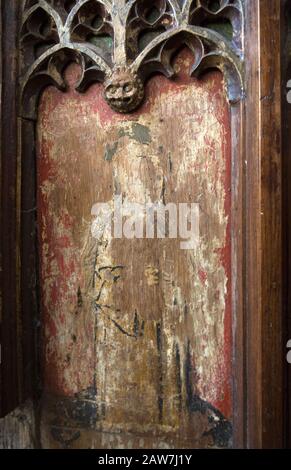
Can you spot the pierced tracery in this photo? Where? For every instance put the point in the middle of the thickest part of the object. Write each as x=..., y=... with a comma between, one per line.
x=122, y=42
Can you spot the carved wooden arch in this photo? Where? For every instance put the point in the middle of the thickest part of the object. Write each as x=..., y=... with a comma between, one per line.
x=122, y=42
x=253, y=89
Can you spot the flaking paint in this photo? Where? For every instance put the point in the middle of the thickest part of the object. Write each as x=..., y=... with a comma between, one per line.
x=143, y=325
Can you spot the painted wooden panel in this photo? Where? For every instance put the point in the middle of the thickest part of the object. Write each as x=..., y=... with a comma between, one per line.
x=136, y=332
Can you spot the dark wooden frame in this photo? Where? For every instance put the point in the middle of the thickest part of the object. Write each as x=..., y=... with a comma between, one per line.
x=9, y=335
x=257, y=233
x=286, y=127
x=263, y=154
x=19, y=326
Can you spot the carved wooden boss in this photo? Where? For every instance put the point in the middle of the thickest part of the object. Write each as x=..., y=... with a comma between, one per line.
x=122, y=42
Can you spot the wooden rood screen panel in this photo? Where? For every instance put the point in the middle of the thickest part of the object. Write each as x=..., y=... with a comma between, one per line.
x=136, y=332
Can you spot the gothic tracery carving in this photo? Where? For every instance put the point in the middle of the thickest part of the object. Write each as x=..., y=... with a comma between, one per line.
x=122, y=42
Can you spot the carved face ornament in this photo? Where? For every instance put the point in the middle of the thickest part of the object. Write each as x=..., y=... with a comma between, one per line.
x=124, y=90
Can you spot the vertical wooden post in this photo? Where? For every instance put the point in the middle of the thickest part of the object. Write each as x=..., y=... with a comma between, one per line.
x=265, y=358
x=286, y=128
x=10, y=353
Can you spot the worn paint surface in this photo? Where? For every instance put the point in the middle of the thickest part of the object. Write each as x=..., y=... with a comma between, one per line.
x=136, y=333
x=18, y=429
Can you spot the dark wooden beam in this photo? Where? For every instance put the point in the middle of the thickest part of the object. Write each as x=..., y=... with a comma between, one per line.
x=264, y=312
x=10, y=347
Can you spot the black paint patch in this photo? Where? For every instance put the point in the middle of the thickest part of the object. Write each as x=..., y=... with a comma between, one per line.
x=160, y=372
x=79, y=298
x=178, y=377
x=65, y=436
x=220, y=429
x=80, y=411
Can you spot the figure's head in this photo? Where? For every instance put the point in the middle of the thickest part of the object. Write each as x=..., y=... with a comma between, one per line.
x=124, y=90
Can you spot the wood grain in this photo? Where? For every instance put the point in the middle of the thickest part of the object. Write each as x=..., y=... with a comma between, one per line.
x=151, y=322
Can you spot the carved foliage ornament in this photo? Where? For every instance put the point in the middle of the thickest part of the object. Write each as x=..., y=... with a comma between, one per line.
x=122, y=42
